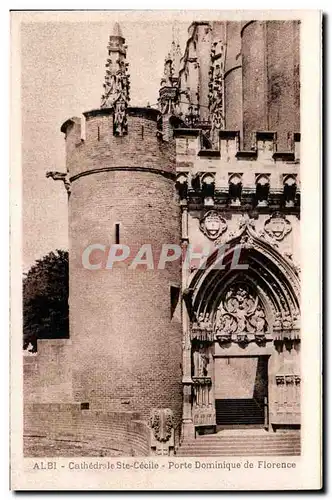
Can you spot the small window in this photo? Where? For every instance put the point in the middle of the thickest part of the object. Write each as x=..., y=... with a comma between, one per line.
x=117, y=233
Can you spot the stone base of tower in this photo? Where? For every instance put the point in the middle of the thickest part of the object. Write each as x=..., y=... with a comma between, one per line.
x=54, y=424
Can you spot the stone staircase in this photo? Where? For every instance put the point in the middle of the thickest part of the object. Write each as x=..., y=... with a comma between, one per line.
x=238, y=443
x=239, y=412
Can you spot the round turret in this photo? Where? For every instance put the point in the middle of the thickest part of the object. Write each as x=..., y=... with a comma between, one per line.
x=125, y=332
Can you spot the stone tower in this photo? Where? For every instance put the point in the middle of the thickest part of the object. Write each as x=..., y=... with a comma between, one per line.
x=125, y=337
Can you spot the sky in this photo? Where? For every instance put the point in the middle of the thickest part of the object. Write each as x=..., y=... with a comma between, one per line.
x=62, y=72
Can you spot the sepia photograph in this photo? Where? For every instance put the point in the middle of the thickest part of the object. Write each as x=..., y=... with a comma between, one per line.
x=161, y=165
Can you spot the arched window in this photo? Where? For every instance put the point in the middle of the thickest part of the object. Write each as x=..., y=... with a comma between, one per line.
x=289, y=190
x=235, y=189
x=262, y=190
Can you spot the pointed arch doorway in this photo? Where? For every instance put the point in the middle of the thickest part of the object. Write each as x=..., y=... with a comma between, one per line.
x=245, y=340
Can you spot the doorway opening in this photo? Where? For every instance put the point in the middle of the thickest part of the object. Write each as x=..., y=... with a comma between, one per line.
x=241, y=391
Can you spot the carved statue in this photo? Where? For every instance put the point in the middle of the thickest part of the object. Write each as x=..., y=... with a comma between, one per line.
x=277, y=322
x=207, y=323
x=201, y=360
x=287, y=322
x=168, y=71
x=200, y=320
x=120, y=118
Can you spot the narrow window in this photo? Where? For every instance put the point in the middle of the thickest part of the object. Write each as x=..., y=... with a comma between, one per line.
x=98, y=132
x=175, y=294
x=142, y=132
x=117, y=234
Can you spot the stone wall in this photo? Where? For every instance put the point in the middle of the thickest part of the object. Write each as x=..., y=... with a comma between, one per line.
x=47, y=374
x=84, y=432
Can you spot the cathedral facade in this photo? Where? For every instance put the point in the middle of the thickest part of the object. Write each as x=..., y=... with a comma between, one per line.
x=166, y=359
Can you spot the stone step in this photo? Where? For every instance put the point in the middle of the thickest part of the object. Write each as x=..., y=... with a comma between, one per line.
x=242, y=453
x=243, y=439
x=243, y=444
x=238, y=446
x=248, y=449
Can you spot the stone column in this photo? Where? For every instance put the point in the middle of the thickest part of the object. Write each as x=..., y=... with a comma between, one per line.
x=187, y=421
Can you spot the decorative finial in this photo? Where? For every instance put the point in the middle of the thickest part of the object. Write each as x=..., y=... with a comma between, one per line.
x=116, y=30
x=116, y=86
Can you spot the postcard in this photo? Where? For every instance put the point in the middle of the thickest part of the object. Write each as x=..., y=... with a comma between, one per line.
x=165, y=244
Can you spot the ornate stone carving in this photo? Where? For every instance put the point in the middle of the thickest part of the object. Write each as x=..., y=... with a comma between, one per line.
x=246, y=222
x=287, y=322
x=288, y=379
x=203, y=416
x=240, y=316
x=280, y=380
x=169, y=92
x=161, y=422
x=168, y=101
x=247, y=241
x=192, y=116
x=116, y=86
x=277, y=226
x=202, y=328
x=212, y=225
x=216, y=91
x=186, y=342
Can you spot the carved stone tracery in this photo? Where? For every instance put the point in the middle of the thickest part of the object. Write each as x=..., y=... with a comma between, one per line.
x=240, y=313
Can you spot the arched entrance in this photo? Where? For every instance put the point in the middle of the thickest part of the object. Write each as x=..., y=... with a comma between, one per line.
x=243, y=339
